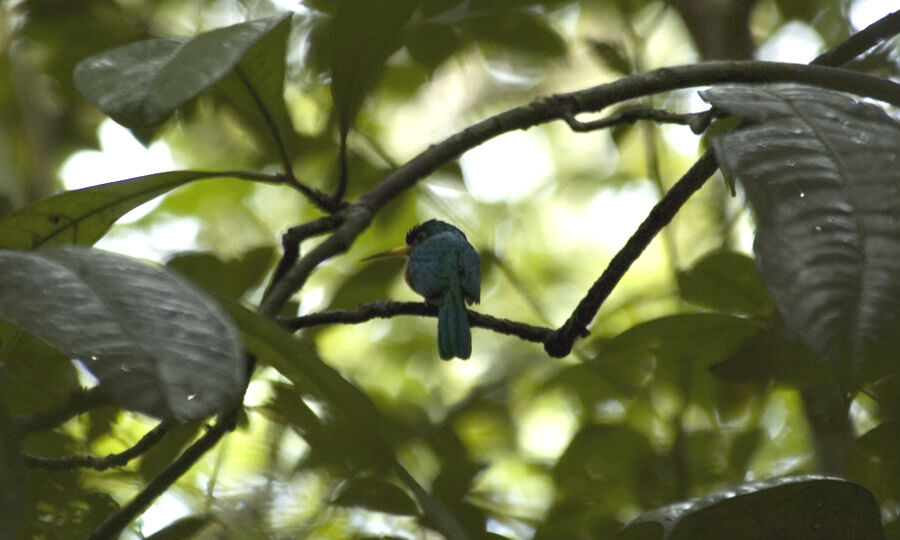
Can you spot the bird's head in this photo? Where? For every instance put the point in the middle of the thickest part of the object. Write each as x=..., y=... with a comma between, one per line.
x=416, y=236
x=429, y=228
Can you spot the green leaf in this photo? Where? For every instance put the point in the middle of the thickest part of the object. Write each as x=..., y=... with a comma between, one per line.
x=34, y=376
x=83, y=216
x=821, y=173
x=725, y=281
x=231, y=278
x=771, y=355
x=295, y=360
x=364, y=34
x=156, y=344
x=13, y=506
x=520, y=30
x=141, y=84
x=703, y=338
x=600, y=466
x=375, y=495
x=799, y=508
x=874, y=461
x=256, y=88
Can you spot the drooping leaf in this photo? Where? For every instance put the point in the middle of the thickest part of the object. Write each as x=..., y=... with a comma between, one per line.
x=725, y=281
x=375, y=495
x=13, y=505
x=156, y=344
x=273, y=345
x=84, y=215
x=364, y=34
x=822, y=174
x=256, y=88
x=611, y=54
x=141, y=84
x=800, y=508
x=180, y=529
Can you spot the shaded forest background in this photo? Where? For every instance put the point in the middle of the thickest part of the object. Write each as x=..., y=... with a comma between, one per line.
x=687, y=385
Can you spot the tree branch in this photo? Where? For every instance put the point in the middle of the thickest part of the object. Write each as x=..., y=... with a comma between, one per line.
x=386, y=309
x=358, y=215
x=560, y=344
x=96, y=462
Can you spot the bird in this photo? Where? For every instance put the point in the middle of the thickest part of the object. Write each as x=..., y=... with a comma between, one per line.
x=445, y=269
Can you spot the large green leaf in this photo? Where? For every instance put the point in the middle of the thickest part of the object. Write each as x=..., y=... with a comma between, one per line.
x=156, y=344
x=83, y=216
x=725, y=281
x=799, y=508
x=822, y=174
x=141, y=84
x=364, y=34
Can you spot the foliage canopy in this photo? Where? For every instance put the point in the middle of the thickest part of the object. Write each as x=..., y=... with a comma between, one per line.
x=621, y=388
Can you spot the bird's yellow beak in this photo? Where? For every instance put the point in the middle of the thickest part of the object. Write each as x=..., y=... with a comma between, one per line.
x=397, y=251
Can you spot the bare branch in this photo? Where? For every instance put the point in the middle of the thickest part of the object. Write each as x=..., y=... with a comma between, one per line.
x=74, y=404
x=114, y=523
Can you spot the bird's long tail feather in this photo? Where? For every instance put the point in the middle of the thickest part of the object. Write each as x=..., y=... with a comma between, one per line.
x=454, y=335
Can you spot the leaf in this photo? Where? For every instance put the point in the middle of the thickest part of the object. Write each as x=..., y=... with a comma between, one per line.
x=364, y=34
x=84, y=215
x=799, y=508
x=231, y=278
x=874, y=461
x=141, y=84
x=770, y=355
x=725, y=281
x=156, y=344
x=822, y=174
x=612, y=55
x=181, y=529
x=256, y=87
x=13, y=506
x=295, y=360
x=375, y=495
x=703, y=338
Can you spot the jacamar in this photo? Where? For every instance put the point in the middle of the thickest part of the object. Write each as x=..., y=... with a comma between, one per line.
x=445, y=269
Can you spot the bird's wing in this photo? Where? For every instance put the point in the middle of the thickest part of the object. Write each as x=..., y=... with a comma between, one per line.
x=470, y=270
x=426, y=270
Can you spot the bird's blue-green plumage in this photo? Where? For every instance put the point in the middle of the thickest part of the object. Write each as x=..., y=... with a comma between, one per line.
x=445, y=269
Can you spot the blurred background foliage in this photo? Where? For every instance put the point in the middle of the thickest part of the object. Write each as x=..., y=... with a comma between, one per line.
x=685, y=386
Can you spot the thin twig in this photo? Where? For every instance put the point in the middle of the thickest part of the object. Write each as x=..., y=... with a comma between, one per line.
x=698, y=121
x=114, y=523
x=100, y=463
x=76, y=403
x=292, y=239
